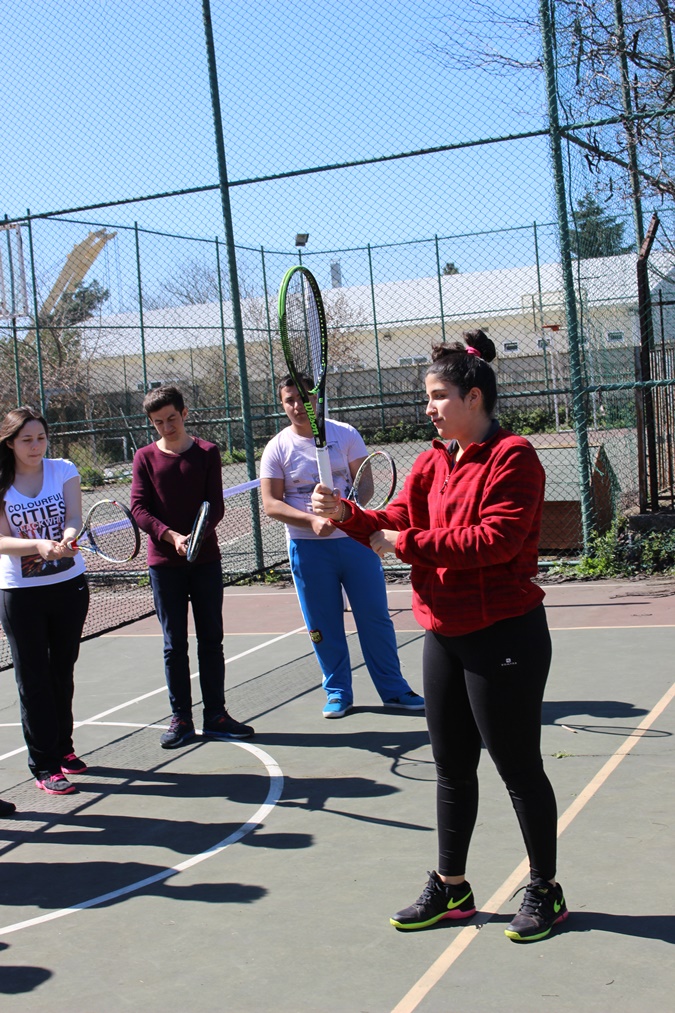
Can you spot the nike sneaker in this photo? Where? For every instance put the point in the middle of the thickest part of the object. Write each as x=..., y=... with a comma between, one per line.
x=438, y=900
x=543, y=907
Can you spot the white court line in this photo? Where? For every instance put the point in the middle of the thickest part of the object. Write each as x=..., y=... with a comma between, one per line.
x=162, y=689
x=273, y=795
x=433, y=975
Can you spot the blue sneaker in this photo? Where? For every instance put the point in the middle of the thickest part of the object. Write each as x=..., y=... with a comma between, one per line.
x=336, y=707
x=406, y=702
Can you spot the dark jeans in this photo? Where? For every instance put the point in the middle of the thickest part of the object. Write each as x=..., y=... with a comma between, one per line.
x=488, y=687
x=172, y=588
x=43, y=626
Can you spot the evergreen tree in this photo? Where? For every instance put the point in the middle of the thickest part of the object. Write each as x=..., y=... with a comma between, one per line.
x=596, y=233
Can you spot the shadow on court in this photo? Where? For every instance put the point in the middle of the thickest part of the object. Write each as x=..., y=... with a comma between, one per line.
x=293, y=916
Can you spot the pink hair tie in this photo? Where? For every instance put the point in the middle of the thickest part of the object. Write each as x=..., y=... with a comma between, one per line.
x=473, y=351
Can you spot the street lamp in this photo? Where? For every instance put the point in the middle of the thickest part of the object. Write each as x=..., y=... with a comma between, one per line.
x=301, y=239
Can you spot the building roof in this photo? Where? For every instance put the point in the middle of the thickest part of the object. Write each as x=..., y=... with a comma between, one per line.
x=473, y=298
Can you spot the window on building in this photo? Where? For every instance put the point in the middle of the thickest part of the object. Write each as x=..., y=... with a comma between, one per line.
x=412, y=360
x=510, y=346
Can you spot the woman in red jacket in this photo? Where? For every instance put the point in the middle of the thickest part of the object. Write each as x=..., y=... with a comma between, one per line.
x=468, y=523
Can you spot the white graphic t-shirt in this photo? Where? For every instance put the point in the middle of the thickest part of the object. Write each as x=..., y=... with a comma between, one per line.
x=293, y=458
x=40, y=517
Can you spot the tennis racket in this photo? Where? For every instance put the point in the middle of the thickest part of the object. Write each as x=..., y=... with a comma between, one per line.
x=374, y=482
x=304, y=340
x=198, y=532
x=109, y=531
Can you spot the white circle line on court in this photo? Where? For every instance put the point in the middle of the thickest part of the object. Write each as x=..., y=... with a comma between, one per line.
x=273, y=795
x=469, y=933
x=162, y=689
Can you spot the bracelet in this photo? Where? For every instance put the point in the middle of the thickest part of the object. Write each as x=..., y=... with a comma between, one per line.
x=343, y=512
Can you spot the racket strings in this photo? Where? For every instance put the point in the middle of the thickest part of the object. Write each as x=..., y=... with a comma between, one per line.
x=303, y=326
x=375, y=482
x=111, y=532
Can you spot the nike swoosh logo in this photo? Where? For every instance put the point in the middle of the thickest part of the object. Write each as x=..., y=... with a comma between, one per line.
x=452, y=904
x=557, y=906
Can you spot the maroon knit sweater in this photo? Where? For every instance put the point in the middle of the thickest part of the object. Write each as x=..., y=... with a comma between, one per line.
x=166, y=493
x=469, y=529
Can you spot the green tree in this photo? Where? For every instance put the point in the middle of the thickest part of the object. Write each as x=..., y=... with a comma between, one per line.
x=596, y=233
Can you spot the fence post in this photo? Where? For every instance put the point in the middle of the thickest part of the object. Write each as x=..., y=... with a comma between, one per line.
x=628, y=125
x=234, y=280
x=38, y=337
x=144, y=364
x=377, y=338
x=269, y=337
x=223, y=345
x=440, y=288
x=576, y=379
x=646, y=347
x=15, y=340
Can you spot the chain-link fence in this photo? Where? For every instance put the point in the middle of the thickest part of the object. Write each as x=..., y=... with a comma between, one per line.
x=438, y=167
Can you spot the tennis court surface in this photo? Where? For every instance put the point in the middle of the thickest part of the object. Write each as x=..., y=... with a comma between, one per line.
x=261, y=875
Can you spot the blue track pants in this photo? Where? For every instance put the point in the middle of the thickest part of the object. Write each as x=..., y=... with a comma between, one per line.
x=321, y=567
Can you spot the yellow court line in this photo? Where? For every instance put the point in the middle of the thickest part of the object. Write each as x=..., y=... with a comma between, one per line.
x=433, y=975
x=415, y=629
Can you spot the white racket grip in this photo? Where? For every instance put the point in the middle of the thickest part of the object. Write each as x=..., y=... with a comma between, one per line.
x=323, y=462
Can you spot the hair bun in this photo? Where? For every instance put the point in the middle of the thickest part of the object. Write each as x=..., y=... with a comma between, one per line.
x=483, y=345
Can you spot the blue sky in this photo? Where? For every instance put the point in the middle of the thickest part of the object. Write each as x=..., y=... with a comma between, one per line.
x=107, y=99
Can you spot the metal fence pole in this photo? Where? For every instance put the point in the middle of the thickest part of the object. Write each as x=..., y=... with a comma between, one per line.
x=223, y=345
x=646, y=347
x=440, y=288
x=140, y=310
x=629, y=125
x=377, y=338
x=273, y=406
x=234, y=280
x=576, y=378
x=36, y=313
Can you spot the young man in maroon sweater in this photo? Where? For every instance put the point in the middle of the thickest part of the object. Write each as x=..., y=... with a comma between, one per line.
x=171, y=479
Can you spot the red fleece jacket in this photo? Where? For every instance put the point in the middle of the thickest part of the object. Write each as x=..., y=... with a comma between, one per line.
x=470, y=531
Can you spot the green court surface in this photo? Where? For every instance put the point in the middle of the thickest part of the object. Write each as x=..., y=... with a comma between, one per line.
x=261, y=875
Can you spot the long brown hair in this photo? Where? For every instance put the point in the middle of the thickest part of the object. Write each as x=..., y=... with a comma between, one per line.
x=11, y=426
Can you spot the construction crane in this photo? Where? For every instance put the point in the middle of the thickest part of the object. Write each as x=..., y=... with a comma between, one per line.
x=78, y=262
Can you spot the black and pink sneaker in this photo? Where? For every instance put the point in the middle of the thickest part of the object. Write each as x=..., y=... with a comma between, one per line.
x=72, y=764
x=54, y=784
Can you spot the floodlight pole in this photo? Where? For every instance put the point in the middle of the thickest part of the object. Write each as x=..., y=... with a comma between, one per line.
x=232, y=266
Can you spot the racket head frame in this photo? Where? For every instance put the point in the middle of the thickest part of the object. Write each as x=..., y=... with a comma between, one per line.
x=198, y=530
x=363, y=468
x=317, y=419
x=93, y=546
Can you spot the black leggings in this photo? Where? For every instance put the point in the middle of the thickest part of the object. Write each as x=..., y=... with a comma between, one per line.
x=488, y=687
x=43, y=626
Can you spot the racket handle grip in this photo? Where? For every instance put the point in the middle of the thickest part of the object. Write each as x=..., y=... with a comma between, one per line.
x=323, y=462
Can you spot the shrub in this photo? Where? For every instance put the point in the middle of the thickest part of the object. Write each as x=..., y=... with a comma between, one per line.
x=91, y=476
x=621, y=552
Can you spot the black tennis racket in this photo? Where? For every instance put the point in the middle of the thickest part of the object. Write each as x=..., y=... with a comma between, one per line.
x=109, y=531
x=198, y=532
x=304, y=340
x=374, y=482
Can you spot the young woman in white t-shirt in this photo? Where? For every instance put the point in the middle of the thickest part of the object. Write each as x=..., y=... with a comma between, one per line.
x=43, y=592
